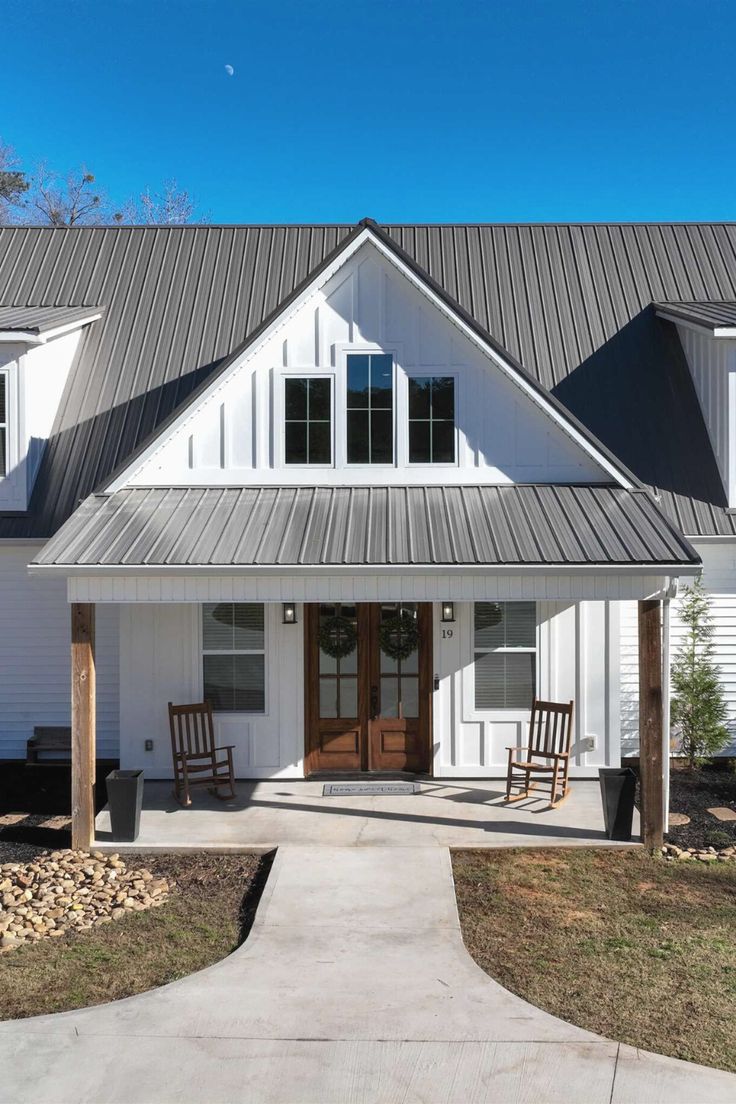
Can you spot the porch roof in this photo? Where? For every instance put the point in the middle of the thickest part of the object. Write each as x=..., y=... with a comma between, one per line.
x=279, y=527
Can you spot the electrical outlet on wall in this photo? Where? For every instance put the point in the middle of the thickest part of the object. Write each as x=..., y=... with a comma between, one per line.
x=148, y=745
x=587, y=743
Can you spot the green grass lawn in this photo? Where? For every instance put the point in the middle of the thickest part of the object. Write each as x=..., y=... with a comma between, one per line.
x=615, y=941
x=211, y=906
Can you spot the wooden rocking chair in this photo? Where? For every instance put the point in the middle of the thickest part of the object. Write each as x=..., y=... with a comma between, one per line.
x=197, y=762
x=547, y=758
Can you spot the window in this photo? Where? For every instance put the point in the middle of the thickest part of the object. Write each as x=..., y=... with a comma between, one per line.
x=431, y=420
x=233, y=659
x=370, y=408
x=308, y=420
x=3, y=423
x=504, y=651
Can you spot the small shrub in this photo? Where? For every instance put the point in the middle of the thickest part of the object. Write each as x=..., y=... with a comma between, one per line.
x=716, y=837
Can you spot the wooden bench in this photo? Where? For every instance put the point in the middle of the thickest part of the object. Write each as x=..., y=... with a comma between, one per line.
x=57, y=738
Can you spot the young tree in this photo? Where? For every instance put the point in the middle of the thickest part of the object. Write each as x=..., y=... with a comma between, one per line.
x=698, y=707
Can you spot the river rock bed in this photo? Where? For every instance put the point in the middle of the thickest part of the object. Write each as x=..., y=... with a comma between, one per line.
x=62, y=891
x=674, y=853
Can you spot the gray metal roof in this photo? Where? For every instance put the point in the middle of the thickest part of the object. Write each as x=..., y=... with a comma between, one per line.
x=362, y=526
x=571, y=303
x=713, y=315
x=39, y=320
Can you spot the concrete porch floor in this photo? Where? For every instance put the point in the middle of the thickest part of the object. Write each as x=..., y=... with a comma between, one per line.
x=445, y=813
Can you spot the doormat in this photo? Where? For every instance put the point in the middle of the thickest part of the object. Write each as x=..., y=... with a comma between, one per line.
x=369, y=789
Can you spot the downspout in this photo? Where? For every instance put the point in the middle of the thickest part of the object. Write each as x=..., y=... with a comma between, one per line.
x=670, y=593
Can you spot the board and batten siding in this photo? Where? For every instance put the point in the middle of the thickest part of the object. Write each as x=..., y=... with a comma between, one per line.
x=577, y=658
x=712, y=363
x=35, y=671
x=234, y=434
x=719, y=578
x=161, y=661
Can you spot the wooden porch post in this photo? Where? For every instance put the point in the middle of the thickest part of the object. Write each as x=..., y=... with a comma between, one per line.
x=651, y=718
x=83, y=725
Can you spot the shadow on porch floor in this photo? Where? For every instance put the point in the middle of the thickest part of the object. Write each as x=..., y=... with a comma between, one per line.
x=448, y=813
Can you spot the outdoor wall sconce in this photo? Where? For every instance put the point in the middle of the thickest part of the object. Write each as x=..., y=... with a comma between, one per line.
x=448, y=611
x=289, y=613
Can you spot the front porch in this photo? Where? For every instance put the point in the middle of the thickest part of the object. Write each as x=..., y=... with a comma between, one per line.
x=446, y=813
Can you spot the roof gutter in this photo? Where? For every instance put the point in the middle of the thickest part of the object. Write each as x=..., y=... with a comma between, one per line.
x=281, y=570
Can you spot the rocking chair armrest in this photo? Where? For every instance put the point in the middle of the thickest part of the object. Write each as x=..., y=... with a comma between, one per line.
x=225, y=747
x=520, y=750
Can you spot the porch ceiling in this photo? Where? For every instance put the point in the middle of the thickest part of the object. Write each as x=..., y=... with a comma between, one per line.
x=514, y=526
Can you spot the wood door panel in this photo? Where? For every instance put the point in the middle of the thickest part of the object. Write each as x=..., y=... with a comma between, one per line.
x=368, y=742
x=340, y=742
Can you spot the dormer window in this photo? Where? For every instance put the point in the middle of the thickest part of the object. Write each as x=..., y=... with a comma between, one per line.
x=431, y=420
x=370, y=408
x=308, y=420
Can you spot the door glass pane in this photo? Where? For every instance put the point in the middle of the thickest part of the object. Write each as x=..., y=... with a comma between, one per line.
x=389, y=697
x=328, y=697
x=348, y=697
x=409, y=697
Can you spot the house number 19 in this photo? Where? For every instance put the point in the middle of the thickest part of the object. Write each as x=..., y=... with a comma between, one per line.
x=447, y=634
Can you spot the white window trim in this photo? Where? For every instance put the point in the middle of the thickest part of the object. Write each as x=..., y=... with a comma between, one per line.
x=426, y=373
x=280, y=419
x=498, y=713
x=202, y=651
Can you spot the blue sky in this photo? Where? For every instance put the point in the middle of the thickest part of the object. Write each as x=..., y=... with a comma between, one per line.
x=404, y=110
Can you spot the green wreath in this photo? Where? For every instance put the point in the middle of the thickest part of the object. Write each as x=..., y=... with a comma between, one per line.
x=399, y=635
x=337, y=637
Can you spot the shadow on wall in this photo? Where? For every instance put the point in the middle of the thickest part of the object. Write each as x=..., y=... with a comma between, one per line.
x=103, y=441
x=637, y=395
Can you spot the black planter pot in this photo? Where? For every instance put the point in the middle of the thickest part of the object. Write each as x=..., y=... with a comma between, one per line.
x=125, y=798
x=618, y=787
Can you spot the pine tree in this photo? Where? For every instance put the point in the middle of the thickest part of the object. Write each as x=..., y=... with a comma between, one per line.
x=698, y=706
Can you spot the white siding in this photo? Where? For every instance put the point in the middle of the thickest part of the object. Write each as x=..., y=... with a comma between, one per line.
x=712, y=362
x=577, y=658
x=160, y=661
x=719, y=578
x=35, y=676
x=235, y=434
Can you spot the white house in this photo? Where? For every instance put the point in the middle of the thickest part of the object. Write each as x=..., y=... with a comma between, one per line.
x=252, y=452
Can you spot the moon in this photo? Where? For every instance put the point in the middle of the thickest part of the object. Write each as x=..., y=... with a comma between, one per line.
x=229, y=70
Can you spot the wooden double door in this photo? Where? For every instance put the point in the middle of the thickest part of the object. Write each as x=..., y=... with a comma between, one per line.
x=368, y=687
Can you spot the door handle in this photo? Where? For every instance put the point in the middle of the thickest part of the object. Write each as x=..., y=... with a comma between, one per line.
x=374, y=702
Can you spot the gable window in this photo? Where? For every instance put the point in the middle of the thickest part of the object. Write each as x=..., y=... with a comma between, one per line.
x=3, y=423
x=234, y=656
x=308, y=420
x=505, y=654
x=431, y=420
x=370, y=408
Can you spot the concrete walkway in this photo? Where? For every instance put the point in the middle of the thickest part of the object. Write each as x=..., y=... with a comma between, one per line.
x=354, y=987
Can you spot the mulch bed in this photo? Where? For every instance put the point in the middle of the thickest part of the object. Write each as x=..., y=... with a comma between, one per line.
x=693, y=793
